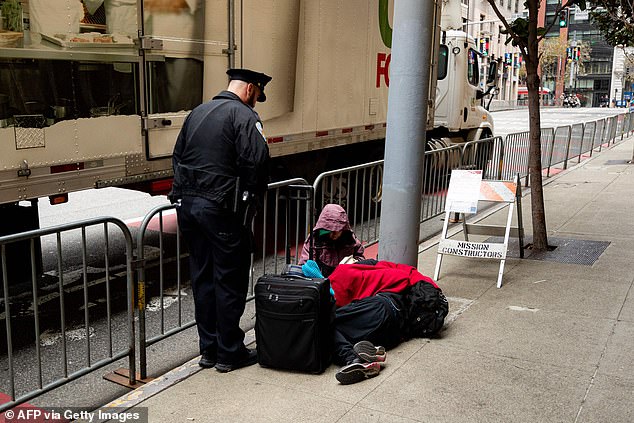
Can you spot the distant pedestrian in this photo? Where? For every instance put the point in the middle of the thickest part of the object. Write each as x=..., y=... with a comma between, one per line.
x=220, y=172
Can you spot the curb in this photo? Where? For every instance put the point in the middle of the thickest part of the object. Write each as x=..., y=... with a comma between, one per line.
x=160, y=384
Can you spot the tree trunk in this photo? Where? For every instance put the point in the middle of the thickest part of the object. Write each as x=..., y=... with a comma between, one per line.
x=540, y=237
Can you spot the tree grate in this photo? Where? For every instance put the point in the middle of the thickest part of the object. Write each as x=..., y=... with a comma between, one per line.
x=571, y=251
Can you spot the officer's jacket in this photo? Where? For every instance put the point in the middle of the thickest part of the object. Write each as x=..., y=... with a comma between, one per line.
x=220, y=141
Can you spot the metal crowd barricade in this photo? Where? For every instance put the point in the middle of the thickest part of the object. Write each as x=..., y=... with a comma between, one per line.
x=576, y=142
x=559, y=148
x=62, y=366
x=516, y=147
x=613, y=128
x=280, y=229
x=438, y=166
x=620, y=125
x=358, y=190
x=587, y=145
x=628, y=122
x=155, y=220
x=598, y=135
x=291, y=218
x=486, y=154
x=547, y=138
x=608, y=130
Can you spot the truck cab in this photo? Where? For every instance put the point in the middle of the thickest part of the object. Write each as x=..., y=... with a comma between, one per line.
x=460, y=112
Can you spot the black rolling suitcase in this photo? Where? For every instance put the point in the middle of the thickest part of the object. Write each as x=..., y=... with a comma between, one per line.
x=294, y=322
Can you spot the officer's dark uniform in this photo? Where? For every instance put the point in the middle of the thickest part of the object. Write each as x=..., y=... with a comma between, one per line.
x=220, y=155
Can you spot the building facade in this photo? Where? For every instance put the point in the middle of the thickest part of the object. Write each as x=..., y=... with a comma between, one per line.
x=484, y=26
x=589, y=79
x=622, y=85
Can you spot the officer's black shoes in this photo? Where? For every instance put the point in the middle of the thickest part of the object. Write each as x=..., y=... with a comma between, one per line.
x=250, y=359
x=207, y=360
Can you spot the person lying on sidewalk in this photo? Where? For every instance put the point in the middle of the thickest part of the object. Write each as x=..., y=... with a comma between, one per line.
x=333, y=240
x=368, y=277
x=381, y=317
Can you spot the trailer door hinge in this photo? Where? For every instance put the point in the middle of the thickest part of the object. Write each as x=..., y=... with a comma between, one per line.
x=149, y=43
x=230, y=51
x=24, y=169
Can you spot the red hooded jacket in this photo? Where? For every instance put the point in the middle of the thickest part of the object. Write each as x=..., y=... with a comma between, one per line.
x=355, y=281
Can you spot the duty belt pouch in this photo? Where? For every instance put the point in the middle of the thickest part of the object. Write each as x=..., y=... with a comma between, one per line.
x=249, y=206
x=244, y=205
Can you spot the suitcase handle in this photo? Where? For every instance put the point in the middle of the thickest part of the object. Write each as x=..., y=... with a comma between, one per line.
x=304, y=278
x=310, y=194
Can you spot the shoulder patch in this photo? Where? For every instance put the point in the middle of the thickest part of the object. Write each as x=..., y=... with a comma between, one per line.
x=258, y=126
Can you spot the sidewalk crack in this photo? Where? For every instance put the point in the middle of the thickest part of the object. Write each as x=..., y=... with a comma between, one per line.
x=603, y=353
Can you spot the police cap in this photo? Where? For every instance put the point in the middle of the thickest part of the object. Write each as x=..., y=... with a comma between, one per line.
x=258, y=79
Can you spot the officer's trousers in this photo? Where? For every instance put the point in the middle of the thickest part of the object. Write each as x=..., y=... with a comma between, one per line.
x=219, y=258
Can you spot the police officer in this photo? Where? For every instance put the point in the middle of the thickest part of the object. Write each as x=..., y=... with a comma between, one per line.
x=220, y=170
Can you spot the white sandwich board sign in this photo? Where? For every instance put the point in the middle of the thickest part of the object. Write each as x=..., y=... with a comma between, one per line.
x=466, y=188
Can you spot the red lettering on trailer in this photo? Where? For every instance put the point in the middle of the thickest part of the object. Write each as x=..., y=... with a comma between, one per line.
x=273, y=140
x=383, y=68
x=321, y=133
x=346, y=130
x=67, y=167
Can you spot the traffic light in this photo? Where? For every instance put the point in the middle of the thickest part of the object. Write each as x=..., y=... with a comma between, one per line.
x=563, y=19
x=569, y=53
x=577, y=54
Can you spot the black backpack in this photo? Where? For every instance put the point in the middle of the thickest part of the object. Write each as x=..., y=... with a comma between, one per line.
x=426, y=308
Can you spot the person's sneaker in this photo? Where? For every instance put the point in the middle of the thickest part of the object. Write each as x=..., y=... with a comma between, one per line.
x=367, y=352
x=207, y=360
x=357, y=372
x=249, y=360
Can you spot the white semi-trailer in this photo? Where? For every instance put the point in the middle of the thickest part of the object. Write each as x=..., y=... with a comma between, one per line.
x=95, y=97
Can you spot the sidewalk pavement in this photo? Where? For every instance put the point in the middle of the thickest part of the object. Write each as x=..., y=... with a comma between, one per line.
x=554, y=344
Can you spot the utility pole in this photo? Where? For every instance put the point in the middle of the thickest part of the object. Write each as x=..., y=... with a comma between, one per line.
x=408, y=96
